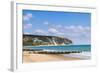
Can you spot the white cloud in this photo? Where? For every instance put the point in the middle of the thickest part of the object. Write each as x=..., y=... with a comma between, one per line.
x=59, y=26
x=87, y=28
x=27, y=26
x=61, y=33
x=56, y=32
x=46, y=22
x=52, y=30
x=72, y=27
x=80, y=28
x=27, y=33
x=77, y=29
x=78, y=34
x=27, y=16
x=40, y=32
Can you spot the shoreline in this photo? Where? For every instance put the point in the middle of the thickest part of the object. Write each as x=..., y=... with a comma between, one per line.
x=29, y=57
x=46, y=45
x=57, y=45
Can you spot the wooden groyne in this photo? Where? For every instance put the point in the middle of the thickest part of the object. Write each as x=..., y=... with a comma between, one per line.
x=39, y=51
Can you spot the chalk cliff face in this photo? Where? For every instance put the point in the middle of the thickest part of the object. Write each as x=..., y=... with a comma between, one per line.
x=37, y=40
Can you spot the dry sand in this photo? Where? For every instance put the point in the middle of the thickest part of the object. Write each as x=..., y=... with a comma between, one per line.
x=33, y=57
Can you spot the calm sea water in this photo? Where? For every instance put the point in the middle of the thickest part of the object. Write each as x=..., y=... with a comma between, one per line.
x=62, y=48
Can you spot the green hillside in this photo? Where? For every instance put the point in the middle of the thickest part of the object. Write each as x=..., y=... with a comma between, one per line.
x=37, y=40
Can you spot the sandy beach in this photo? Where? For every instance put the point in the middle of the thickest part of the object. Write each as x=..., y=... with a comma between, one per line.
x=33, y=57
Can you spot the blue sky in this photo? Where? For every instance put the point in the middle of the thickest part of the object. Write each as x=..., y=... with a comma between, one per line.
x=73, y=25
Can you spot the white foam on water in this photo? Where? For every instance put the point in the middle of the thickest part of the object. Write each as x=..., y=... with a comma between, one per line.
x=83, y=55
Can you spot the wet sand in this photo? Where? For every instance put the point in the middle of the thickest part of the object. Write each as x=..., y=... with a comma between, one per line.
x=33, y=57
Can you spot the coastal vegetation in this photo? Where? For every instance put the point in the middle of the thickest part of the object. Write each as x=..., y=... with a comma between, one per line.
x=38, y=40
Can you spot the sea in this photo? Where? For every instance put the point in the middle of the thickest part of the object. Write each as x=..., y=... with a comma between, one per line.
x=82, y=48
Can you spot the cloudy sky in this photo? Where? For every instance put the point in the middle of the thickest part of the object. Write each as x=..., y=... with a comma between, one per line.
x=73, y=25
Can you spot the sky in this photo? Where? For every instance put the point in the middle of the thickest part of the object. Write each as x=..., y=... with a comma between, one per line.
x=75, y=26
